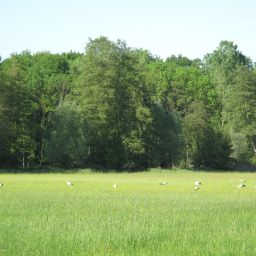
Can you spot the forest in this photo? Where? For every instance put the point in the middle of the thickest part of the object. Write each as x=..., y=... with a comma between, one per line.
x=116, y=107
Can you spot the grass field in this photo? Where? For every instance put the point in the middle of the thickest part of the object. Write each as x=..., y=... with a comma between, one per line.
x=41, y=215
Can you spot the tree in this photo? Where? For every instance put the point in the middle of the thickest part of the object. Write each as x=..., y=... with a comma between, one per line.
x=66, y=137
x=32, y=86
x=48, y=80
x=5, y=131
x=17, y=109
x=222, y=66
x=164, y=138
x=177, y=82
x=241, y=105
x=204, y=146
x=112, y=100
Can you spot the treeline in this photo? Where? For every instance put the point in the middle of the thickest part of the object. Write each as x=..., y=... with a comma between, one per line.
x=117, y=107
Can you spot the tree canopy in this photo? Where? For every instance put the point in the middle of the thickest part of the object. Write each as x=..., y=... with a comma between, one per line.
x=123, y=108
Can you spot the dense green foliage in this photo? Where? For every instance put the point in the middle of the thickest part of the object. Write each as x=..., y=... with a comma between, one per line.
x=41, y=215
x=117, y=107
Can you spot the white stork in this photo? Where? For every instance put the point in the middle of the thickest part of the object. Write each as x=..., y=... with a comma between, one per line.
x=241, y=185
x=198, y=185
x=69, y=183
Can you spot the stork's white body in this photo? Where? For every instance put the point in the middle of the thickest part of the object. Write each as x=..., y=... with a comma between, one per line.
x=69, y=183
x=198, y=183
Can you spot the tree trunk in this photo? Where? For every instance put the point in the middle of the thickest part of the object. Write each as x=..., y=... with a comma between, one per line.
x=23, y=158
x=254, y=145
x=42, y=126
x=187, y=156
x=41, y=153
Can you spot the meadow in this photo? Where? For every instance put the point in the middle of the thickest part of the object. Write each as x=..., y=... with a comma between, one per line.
x=41, y=215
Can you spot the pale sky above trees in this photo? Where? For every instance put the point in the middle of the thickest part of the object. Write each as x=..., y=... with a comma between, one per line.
x=164, y=27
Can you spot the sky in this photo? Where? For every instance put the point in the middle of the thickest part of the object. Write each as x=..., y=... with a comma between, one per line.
x=191, y=28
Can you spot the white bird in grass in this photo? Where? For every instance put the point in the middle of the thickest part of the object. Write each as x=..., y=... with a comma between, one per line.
x=164, y=183
x=69, y=183
x=1, y=185
x=114, y=186
x=198, y=185
x=241, y=185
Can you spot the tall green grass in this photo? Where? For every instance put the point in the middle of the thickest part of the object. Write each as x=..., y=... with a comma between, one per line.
x=41, y=215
